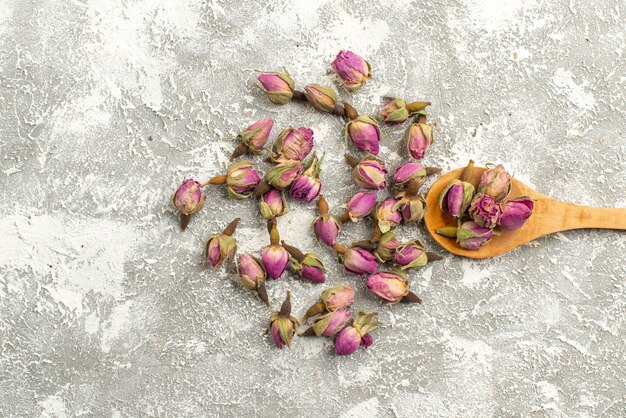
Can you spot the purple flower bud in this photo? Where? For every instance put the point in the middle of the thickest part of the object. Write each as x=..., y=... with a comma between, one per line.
x=256, y=135
x=387, y=214
x=359, y=261
x=275, y=259
x=388, y=285
x=387, y=246
x=338, y=297
x=242, y=179
x=364, y=134
x=351, y=337
x=272, y=204
x=189, y=198
x=277, y=86
x=411, y=255
x=472, y=236
x=331, y=323
x=353, y=70
x=348, y=341
x=285, y=173
x=293, y=144
x=515, y=212
x=361, y=205
x=307, y=187
x=369, y=173
x=456, y=197
x=219, y=249
x=322, y=98
x=394, y=112
x=310, y=268
x=418, y=137
x=326, y=229
x=407, y=172
x=485, y=211
x=495, y=182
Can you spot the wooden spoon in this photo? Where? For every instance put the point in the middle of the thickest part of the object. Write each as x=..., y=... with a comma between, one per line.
x=549, y=216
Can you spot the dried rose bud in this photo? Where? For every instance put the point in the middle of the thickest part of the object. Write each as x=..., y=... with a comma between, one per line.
x=359, y=206
x=387, y=214
x=388, y=285
x=472, y=236
x=394, y=112
x=364, y=133
x=333, y=299
x=353, y=70
x=326, y=229
x=252, y=275
x=309, y=266
x=272, y=204
x=322, y=98
x=407, y=172
x=283, y=326
x=387, y=246
x=411, y=207
x=359, y=261
x=495, y=182
x=369, y=173
x=307, y=187
x=277, y=86
x=254, y=137
x=456, y=197
x=411, y=255
x=284, y=174
x=329, y=325
x=418, y=138
x=485, y=211
x=274, y=257
x=356, y=335
x=515, y=212
x=293, y=144
x=242, y=179
x=219, y=248
x=188, y=199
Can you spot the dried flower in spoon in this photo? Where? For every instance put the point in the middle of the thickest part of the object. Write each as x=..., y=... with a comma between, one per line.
x=398, y=110
x=328, y=325
x=326, y=226
x=292, y=144
x=278, y=87
x=357, y=334
x=364, y=133
x=368, y=173
x=283, y=326
x=495, y=182
x=469, y=235
x=188, y=199
x=515, y=212
x=309, y=266
x=485, y=211
x=353, y=70
x=254, y=138
x=219, y=248
x=331, y=300
x=358, y=207
x=391, y=286
x=274, y=256
x=272, y=204
x=252, y=275
x=308, y=185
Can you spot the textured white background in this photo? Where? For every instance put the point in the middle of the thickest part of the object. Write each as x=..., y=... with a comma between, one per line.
x=104, y=310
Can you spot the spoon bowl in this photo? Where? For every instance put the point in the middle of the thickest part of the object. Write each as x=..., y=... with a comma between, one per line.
x=549, y=216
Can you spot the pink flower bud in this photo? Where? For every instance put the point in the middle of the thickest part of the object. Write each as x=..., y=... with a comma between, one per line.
x=387, y=214
x=326, y=229
x=364, y=134
x=495, y=182
x=456, y=198
x=353, y=70
x=322, y=98
x=283, y=326
x=277, y=86
x=330, y=324
x=272, y=204
x=251, y=272
x=242, y=179
x=370, y=173
x=361, y=205
x=387, y=247
x=338, y=297
x=293, y=144
x=352, y=337
x=311, y=268
x=275, y=259
x=485, y=211
x=408, y=172
x=285, y=173
x=394, y=112
x=359, y=261
x=411, y=255
x=418, y=137
x=388, y=285
x=256, y=135
x=411, y=207
x=307, y=187
x=515, y=212
x=472, y=236
x=219, y=249
x=189, y=198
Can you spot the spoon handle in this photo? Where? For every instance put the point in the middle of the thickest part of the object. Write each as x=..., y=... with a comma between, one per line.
x=561, y=216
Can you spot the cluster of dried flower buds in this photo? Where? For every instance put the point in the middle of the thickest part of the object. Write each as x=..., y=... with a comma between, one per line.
x=483, y=211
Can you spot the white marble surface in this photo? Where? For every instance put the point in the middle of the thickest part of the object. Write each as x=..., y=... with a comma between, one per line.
x=104, y=310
